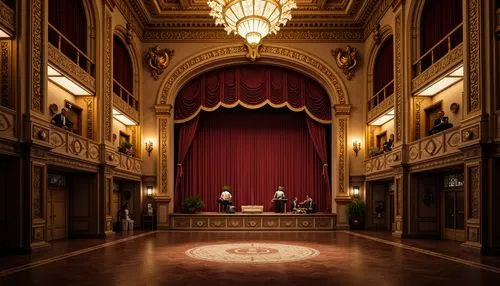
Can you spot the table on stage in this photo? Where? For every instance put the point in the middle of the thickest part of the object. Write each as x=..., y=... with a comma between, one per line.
x=280, y=205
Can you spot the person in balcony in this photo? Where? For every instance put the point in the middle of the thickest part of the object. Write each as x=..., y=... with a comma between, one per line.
x=440, y=124
x=62, y=120
x=388, y=144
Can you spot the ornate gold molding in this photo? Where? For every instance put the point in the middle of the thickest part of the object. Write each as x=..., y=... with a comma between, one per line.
x=163, y=133
x=108, y=76
x=383, y=107
x=6, y=73
x=346, y=60
x=376, y=16
x=36, y=48
x=341, y=152
x=473, y=75
x=398, y=77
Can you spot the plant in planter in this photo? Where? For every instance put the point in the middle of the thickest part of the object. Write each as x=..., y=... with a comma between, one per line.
x=126, y=148
x=356, y=211
x=192, y=204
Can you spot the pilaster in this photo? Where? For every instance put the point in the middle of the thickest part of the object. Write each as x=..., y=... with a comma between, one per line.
x=106, y=193
x=163, y=195
x=340, y=170
x=401, y=200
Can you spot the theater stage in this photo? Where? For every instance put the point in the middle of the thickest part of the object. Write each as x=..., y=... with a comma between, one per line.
x=253, y=221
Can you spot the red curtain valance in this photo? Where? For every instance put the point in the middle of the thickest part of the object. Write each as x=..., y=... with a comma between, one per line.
x=252, y=87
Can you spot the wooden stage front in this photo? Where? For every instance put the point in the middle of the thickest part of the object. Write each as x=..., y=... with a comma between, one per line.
x=256, y=221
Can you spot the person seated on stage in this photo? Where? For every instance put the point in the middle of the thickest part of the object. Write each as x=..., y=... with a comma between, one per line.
x=295, y=205
x=308, y=205
x=440, y=124
x=62, y=120
x=226, y=198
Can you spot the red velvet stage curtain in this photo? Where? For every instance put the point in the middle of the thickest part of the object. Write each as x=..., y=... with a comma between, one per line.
x=254, y=152
x=122, y=64
x=383, y=71
x=252, y=86
x=317, y=134
x=186, y=134
x=439, y=17
x=69, y=18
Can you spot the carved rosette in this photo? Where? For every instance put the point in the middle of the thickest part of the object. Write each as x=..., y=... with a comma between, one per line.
x=346, y=60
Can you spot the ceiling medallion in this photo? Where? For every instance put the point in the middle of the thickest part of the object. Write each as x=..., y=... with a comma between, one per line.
x=251, y=19
x=347, y=60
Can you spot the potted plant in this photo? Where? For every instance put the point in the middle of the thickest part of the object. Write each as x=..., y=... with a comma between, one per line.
x=356, y=211
x=126, y=148
x=192, y=204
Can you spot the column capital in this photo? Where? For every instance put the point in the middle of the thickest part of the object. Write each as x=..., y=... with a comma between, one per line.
x=342, y=109
x=163, y=109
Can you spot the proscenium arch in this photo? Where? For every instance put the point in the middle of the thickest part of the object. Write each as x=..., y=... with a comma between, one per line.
x=286, y=57
x=275, y=55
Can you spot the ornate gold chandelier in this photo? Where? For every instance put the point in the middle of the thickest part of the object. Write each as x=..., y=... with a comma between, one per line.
x=251, y=19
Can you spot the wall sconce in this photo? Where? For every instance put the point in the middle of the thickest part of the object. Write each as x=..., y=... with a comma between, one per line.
x=149, y=147
x=149, y=191
x=356, y=146
x=355, y=191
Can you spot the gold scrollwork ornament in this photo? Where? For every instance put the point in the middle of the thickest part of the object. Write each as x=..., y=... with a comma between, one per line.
x=158, y=60
x=347, y=60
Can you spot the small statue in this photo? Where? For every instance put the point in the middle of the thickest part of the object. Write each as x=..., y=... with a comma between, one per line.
x=150, y=209
x=377, y=36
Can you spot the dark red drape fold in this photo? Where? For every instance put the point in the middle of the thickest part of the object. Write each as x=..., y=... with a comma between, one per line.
x=122, y=65
x=252, y=86
x=317, y=133
x=187, y=132
x=439, y=17
x=383, y=71
x=254, y=152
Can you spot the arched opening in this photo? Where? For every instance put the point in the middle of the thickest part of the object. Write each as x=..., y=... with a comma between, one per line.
x=253, y=128
x=123, y=73
x=440, y=30
x=383, y=74
x=68, y=32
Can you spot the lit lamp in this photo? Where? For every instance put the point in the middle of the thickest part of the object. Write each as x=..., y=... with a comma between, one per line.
x=355, y=191
x=149, y=147
x=149, y=191
x=356, y=146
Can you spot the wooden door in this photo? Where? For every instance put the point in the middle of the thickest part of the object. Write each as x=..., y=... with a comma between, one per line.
x=453, y=214
x=57, y=208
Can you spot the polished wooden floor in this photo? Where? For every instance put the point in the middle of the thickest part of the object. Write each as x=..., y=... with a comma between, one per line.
x=361, y=258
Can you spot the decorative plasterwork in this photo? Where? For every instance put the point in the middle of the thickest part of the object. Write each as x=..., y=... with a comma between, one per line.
x=36, y=52
x=474, y=192
x=71, y=145
x=5, y=73
x=298, y=59
x=129, y=164
x=341, y=154
x=217, y=34
x=435, y=146
x=158, y=60
x=108, y=76
x=474, y=45
x=376, y=16
x=346, y=60
x=398, y=76
x=124, y=107
x=382, y=163
x=382, y=108
x=163, y=125
x=7, y=18
x=68, y=66
x=443, y=65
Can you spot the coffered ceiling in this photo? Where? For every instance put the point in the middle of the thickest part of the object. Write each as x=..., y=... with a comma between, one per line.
x=313, y=19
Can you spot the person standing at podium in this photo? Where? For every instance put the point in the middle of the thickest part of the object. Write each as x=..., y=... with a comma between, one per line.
x=279, y=196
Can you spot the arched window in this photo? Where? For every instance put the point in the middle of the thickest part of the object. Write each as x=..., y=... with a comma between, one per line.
x=383, y=74
x=440, y=30
x=123, y=73
x=68, y=31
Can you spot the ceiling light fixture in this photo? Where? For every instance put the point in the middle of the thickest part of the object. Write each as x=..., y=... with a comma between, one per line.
x=382, y=119
x=123, y=118
x=251, y=19
x=65, y=82
x=443, y=83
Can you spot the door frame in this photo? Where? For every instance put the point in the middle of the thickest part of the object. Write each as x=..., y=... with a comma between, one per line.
x=451, y=233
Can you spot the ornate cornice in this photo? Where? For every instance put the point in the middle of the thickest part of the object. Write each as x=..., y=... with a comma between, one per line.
x=211, y=34
x=136, y=22
x=376, y=16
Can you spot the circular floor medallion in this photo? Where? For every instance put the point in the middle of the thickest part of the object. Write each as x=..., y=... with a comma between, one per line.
x=252, y=252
